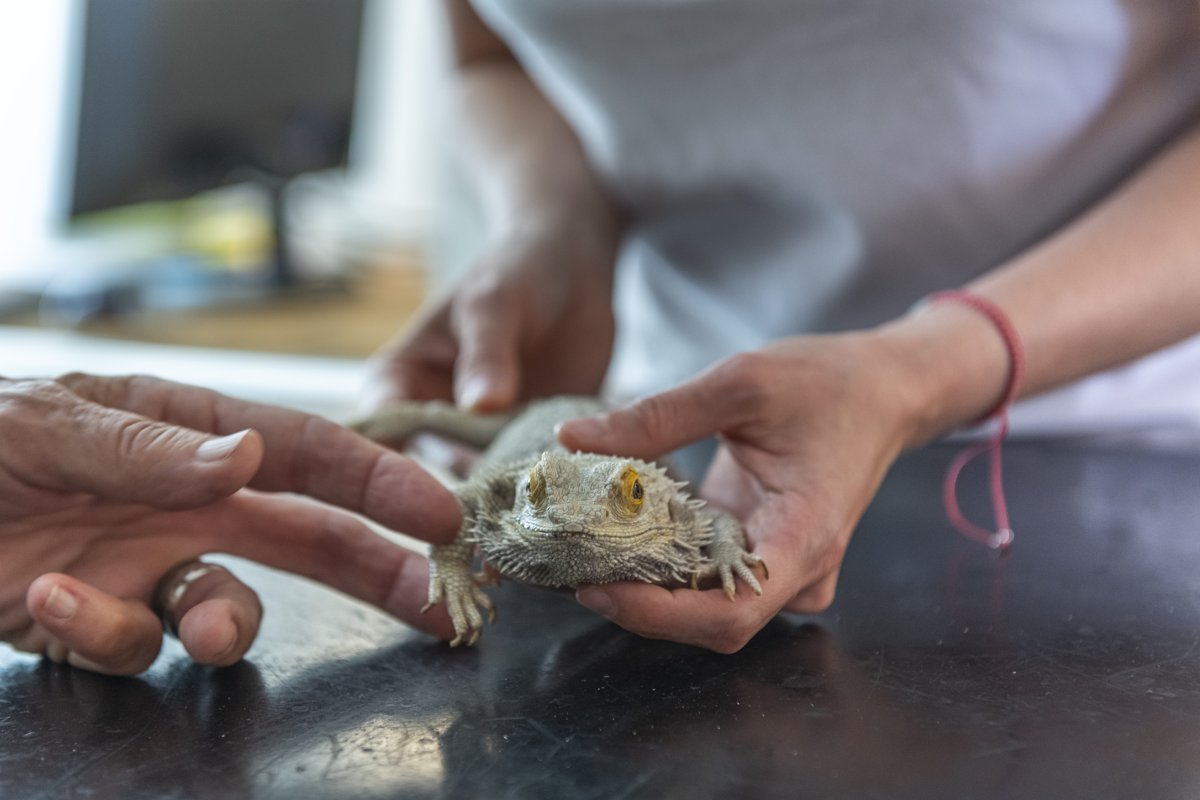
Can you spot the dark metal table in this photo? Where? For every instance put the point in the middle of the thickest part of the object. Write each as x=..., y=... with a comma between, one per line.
x=1068, y=669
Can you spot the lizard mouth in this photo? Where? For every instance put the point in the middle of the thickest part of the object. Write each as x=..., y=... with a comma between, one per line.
x=570, y=529
x=586, y=532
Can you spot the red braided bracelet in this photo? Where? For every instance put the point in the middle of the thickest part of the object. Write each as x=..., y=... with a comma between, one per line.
x=1012, y=342
x=1002, y=537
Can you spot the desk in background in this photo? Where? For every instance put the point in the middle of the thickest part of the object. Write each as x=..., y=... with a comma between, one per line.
x=348, y=322
x=304, y=351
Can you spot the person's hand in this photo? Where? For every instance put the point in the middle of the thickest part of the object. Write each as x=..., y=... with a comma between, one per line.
x=808, y=427
x=107, y=484
x=532, y=318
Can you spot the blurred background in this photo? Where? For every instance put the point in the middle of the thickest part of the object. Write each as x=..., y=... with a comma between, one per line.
x=247, y=194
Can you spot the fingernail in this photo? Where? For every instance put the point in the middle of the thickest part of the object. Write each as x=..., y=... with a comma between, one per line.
x=597, y=600
x=473, y=390
x=218, y=449
x=60, y=604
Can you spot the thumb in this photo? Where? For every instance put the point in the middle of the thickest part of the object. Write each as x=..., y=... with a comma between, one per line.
x=487, y=372
x=657, y=424
x=117, y=455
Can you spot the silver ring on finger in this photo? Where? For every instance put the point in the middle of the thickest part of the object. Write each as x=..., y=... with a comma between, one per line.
x=174, y=585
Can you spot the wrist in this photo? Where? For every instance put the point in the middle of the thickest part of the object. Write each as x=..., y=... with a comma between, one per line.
x=527, y=165
x=591, y=222
x=951, y=364
x=586, y=243
x=562, y=198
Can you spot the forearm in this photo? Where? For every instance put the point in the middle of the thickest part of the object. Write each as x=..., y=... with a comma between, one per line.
x=1122, y=281
x=1117, y=283
x=525, y=162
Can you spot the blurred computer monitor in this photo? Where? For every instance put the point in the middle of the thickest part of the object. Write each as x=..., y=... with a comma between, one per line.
x=182, y=96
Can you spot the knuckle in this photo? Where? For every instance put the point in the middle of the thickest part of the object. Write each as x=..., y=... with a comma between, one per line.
x=135, y=435
x=739, y=630
x=806, y=607
x=487, y=331
x=480, y=298
x=730, y=642
x=748, y=378
x=653, y=416
x=146, y=390
x=74, y=379
x=36, y=395
x=125, y=648
x=316, y=435
x=834, y=555
x=823, y=597
x=34, y=416
x=106, y=390
x=815, y=599
x=145, y=394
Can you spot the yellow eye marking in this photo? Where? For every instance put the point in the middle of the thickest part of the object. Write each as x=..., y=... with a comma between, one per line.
x=632, y=491
x=535, y=490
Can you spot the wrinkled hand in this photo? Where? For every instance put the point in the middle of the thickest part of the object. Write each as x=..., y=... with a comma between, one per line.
x=107, y=483
x=808, y=427
x=532, y=318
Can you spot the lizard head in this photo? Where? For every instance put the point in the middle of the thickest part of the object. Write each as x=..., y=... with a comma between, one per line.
x=593, y=495
x=585, y=518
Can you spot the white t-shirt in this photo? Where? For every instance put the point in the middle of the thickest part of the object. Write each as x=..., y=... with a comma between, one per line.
x=797, y=166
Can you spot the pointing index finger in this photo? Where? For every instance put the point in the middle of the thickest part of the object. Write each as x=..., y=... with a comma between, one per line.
x=303, y=453
x=332, y=463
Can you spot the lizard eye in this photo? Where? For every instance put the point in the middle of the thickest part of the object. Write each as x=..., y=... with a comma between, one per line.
x=535, y=487
x=632, y=491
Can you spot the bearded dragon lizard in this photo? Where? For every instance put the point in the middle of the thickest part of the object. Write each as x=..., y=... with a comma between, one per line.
x=543, y=515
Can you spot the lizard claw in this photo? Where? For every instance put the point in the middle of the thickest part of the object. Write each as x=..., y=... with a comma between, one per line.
x=731, y=560
x=464, y=598
x=745, y=570
x=727, y=584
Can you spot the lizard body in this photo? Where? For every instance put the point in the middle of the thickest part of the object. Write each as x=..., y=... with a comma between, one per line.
x=542, y=515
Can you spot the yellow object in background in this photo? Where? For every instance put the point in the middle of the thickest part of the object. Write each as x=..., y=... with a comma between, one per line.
x=229, y=227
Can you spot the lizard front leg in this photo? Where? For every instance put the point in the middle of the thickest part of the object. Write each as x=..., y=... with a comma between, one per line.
x=452, y=580
x=451, y=577
x=729, y=556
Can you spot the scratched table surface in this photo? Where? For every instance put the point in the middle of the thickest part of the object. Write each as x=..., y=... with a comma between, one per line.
x=1067, y=669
